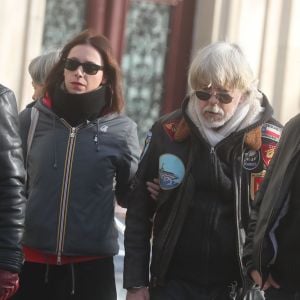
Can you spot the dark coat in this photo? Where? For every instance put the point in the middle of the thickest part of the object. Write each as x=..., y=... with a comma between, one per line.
x=163, y=220
x=270, y=201
x=12, y=181
x=74, y=174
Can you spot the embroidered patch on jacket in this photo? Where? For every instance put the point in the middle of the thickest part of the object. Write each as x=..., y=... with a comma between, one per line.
x=255, y=182
x=251, y=159
x=146, y=144
x=267, y=152
x=171, y=171
x=272, y=132
x=170, y=128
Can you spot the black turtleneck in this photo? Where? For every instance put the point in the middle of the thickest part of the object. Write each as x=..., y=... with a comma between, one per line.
x=79, y=108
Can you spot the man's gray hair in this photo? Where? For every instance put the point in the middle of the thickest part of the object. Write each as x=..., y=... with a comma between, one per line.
x=221, y=65
x=41, y=65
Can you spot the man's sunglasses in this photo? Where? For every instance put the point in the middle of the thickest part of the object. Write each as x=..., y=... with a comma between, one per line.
x=222, y=97
x=87, y=67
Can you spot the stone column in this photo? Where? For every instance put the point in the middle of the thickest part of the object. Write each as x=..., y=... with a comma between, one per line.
x=108, y=17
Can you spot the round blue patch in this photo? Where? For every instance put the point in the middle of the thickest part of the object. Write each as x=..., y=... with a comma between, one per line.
x=171, y=171
x=251, y=159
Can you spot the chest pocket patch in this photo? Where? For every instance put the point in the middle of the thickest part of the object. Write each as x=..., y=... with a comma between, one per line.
x=171, y=171
x=255, y=183
x=251, y=159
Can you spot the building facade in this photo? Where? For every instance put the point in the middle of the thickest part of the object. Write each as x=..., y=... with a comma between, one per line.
x=155, y=40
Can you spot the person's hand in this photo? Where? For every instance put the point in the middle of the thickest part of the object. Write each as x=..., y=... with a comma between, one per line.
x=9, y=284
x=138, y=294
x=270, y=283
x=153, y=188
x=256, y=277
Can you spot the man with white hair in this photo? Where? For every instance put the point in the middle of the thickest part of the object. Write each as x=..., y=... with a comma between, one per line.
x=210, y=158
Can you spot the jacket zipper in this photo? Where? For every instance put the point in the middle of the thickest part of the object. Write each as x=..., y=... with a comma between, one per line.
x=237, y=183
x=65, y=193
x=212, y=153
x=213, y=161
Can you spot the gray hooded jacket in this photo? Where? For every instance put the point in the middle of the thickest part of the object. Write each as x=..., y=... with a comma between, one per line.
x=74, y=174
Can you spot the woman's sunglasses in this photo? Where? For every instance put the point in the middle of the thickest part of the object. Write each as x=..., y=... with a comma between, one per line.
x=222, y=97
x=87, y=67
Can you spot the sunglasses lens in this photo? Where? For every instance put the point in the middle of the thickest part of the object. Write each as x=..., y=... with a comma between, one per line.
x=201, y=95
x=225, y=98
x=222, y=97
x=90, y=68
x=71, y=64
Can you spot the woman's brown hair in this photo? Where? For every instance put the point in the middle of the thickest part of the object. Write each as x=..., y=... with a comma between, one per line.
x=112, y=72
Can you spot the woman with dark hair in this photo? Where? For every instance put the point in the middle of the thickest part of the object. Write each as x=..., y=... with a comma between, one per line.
x=82, y=155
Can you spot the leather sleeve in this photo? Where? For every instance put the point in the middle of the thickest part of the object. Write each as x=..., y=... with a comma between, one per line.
x=128, y=165
x=12, y=183
x=139, y=218
x=248, y=260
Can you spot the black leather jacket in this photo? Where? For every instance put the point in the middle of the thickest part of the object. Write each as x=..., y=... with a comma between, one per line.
x=164, y=219
x=12, y=179
x=260, y=250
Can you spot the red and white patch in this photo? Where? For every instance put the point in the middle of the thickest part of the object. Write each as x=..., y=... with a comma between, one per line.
x=170, y=128
x=267, y=152
x=271, y=132
x=255, y=183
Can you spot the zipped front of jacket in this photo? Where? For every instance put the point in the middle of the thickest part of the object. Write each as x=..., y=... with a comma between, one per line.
x=63, y=208
x=178, y=214
x=240, y=231
x=163, y=260
x=65, y=163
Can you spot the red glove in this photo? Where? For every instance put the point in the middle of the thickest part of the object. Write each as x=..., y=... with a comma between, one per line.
x=9, y=284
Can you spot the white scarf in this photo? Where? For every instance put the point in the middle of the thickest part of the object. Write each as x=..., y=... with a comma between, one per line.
x=247, y=113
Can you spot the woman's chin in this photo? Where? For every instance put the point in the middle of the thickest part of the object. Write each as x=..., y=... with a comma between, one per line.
x=75, y=91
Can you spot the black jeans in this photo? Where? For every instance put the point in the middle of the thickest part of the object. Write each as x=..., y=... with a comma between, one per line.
x=281, y=294
x=180, y=290
x=92, y=280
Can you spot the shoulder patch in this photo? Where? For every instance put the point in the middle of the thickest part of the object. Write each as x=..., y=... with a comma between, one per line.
x=171, y=171
x=170, y=128
x=271, y=132
x=251, y=159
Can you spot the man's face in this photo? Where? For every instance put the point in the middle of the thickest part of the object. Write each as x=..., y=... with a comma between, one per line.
x=217, y=106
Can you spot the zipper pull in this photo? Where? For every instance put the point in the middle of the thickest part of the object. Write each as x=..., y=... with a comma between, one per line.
x=96, y=139
x=73, y=132
x=213, y=155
